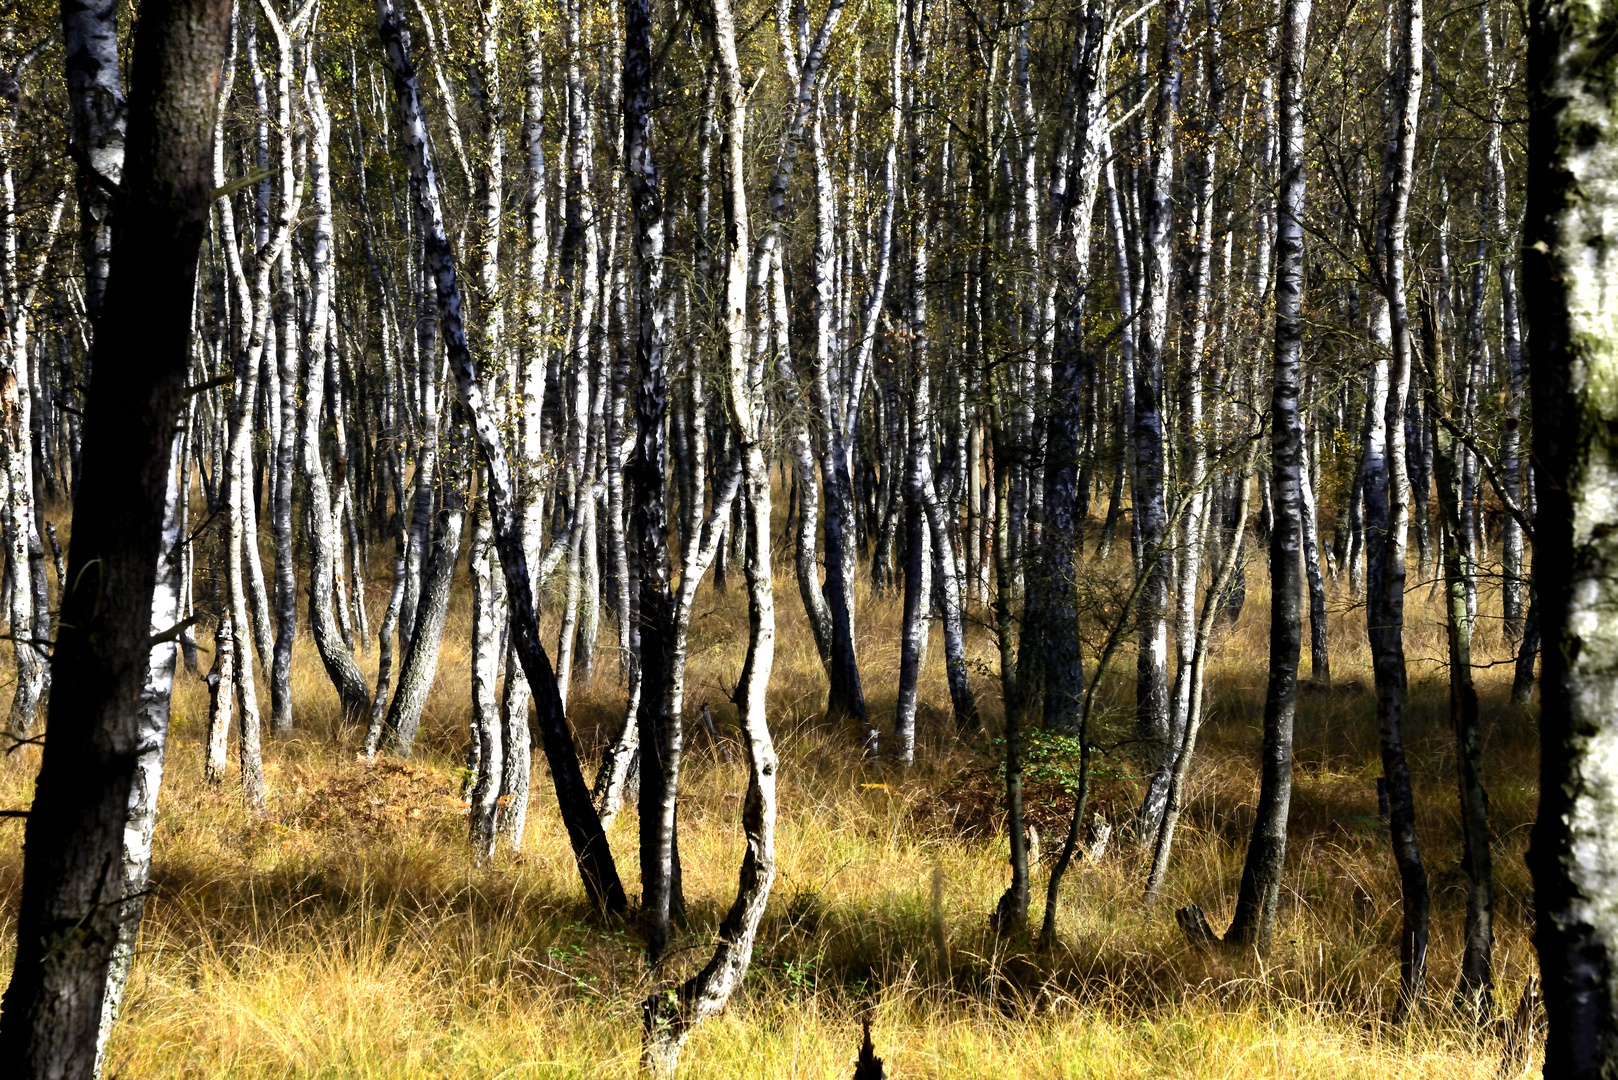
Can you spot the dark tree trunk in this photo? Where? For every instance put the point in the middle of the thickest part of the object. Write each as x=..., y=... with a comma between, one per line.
x=1267, y=847
x=660, y=731
x=68, y=914
x=1477, y=979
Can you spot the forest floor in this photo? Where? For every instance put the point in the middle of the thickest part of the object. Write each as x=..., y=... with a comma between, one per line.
x=346, y=933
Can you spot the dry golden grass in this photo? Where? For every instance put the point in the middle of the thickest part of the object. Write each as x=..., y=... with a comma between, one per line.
x=345, y=933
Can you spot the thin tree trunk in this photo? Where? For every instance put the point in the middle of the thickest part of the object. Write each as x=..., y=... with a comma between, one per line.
x=529, y=465
x=29, y=619
x=384, y=673
x=1514, y=585
x=1212, y=604
x=325, y=556
x=221, y=693
x=285, y=597
x=99, y=118
x=488, y=739
x=670, y=1017
x=846, y=696
x=1193, y=454
x=1476, y=979
x=1522, y=682
x=1319, y=653
x=1260, y=893
x=1152, y=688
x=1387, y=512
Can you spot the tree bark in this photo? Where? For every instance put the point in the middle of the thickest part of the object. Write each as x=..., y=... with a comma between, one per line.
x=285, y=597
x=1476, y=979
x=151, y=739
x=596, y=866
x=99, y=120
x=1212, y=603
x=1260, y=892
x=661, y=735
x=1570, y=292
x=74, y=840
x=488, y=737
x=420, y=665
x=325, y=556
x=1387, y=509
x=669, y=1018
x=1152, y=688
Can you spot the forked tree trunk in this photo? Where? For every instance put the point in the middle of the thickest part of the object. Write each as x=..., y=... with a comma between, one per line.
x=253, y=301
x=325, y=555
x=670, y=1017
x=1212, y=604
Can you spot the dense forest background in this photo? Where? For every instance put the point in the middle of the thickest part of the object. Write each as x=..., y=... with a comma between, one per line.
x=911, y=444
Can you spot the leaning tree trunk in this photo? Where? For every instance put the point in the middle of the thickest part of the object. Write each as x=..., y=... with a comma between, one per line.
x=1571, y=291
x=1212, y=604
x=589, y=842
x=151, y=739
x=69, y=911
x=253, y=301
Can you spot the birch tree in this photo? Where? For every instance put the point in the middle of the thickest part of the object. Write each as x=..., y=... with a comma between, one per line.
x=1568, y=292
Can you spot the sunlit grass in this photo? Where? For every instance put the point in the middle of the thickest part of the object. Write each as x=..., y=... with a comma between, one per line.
x=346, y=933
